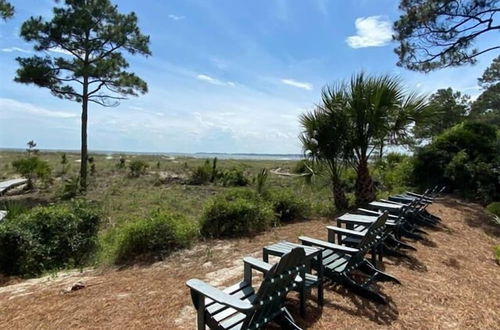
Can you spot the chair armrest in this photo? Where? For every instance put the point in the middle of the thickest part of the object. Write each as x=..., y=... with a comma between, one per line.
x=257, y=264
x=327, y=245
x=217, y=295
x=352, y=220
x=389, y=216
x=346, y=232
x=392, y=202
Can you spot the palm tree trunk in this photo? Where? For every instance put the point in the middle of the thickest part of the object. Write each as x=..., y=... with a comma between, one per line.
x=364, y=184
x=339, y=197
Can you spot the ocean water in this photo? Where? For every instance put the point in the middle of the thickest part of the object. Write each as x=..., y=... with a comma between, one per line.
x=243, y=156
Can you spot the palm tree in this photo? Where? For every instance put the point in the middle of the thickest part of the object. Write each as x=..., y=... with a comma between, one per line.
x=324, y=138
x=379, y=111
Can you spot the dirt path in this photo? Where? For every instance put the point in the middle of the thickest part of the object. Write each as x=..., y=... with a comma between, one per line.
x=452, y=282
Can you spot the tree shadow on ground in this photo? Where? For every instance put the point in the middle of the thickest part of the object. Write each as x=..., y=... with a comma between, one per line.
x=409, y=262
x=378, y=313
x=477, y=217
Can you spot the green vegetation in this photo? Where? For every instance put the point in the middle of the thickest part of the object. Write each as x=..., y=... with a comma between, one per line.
x=95, y=34
x=233, y=177
x=156, y=236
x=236, y=213
x=33, y=169
x=465, y=158
x=446, y=109
x=494, y=208
x=48, y=238
x=261, y=181
x=355, y=119
x=137, y=168
x=497, y=254
x=288, y=206
x=6, y=10
x=435, y=34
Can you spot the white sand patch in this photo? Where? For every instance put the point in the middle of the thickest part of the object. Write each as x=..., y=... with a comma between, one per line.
x=33, y=285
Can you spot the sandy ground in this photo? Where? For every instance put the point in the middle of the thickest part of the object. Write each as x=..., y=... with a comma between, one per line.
x=451, y=282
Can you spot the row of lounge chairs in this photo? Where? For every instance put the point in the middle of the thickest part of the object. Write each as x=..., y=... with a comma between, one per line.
x=378, y=229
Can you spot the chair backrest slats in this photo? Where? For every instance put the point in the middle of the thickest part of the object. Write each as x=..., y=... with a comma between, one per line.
x=279, y=280
x=370, y=238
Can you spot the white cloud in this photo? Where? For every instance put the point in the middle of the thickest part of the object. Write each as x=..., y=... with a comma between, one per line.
x=176, y=17
x=214, y=81
x=15, y=49
x=372, y=31
x=10, y=105
x=59, y=50
x=297, y=84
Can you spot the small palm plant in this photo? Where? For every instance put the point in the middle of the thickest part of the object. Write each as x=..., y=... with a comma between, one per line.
x=261, y=180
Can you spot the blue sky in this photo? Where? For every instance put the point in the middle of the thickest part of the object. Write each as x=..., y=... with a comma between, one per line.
x=225, y=75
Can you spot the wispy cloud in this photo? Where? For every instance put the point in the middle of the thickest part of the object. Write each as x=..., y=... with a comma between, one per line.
x=59, y=50
x=372, y=31
x=214, y=81
x=297, y=84
x=11, y=105
x=176, y=17
x=15, y=49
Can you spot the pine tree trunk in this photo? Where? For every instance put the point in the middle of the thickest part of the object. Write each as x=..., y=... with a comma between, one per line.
x=364, y=184
x=84, y=151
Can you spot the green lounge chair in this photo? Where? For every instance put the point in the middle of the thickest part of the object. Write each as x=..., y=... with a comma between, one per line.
x=340, y=262
x=240, y=306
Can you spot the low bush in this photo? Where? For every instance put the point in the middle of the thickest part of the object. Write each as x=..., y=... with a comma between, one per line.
x=70, y=187
x=202, y=174
x=233, y=178
x=234, y=214
x=394, y=172
x=288, y=206
x=48, y=238
x=494, y=208
x=155, y=236
x=137, y=168
x=33, y=168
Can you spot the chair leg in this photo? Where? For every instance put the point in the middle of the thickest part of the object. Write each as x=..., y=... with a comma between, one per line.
x=367, y=268
x=362, y=291
x=394, y=243
x=286, y=321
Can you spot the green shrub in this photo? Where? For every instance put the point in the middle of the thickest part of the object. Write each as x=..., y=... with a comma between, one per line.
x=157, y=235
x=465, y=158
x=494, y=208
x=137, y=168
x=33, y=168
x=48, y=238
x=202, y=174
x=121, y=163
x=237, y=213
x=287, y=206
x=70, y=187
x=233, y=178
x=394, y=172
